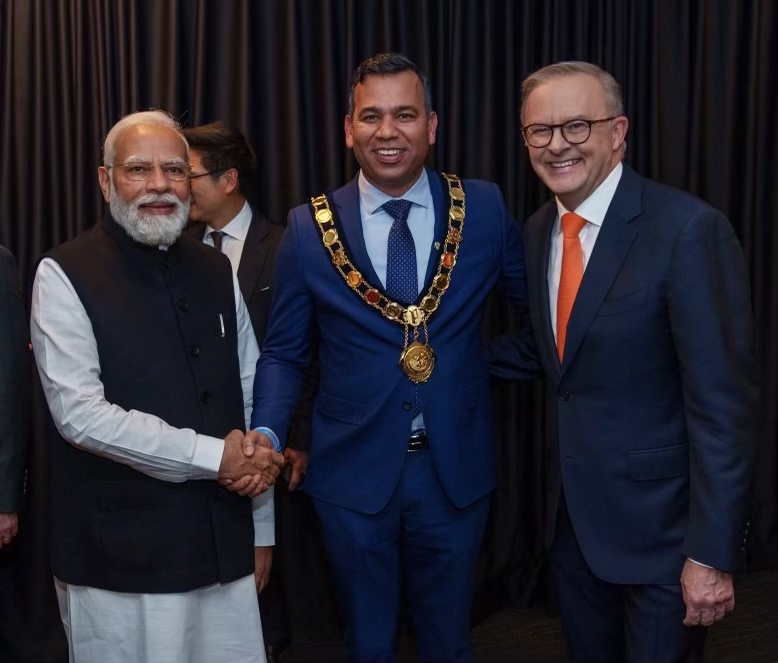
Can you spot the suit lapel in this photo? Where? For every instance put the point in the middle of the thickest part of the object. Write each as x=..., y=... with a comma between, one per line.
x=440, y=208
x=613, y=243
x=254, y=256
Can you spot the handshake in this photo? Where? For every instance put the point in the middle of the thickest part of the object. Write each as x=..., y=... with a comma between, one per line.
x=249, y=464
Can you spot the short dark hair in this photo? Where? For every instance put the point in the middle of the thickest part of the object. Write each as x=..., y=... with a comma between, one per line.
x=221, y=147
x=382, y=65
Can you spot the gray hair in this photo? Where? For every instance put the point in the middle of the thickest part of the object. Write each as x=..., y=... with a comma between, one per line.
x=552, y=71
x=157, y=117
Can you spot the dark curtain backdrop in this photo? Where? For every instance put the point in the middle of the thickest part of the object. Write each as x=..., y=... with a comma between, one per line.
x=699, y=86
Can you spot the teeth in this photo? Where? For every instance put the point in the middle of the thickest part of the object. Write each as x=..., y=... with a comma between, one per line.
x=564, y=164
x=388, y=152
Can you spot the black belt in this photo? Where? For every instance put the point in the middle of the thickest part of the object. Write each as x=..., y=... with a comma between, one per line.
x=418, y=441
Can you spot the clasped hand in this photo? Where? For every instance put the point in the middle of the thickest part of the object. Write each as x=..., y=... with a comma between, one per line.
x=249, y=464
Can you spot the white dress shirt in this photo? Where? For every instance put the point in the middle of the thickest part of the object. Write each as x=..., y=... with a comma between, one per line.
x=233, y=235
x=593, y=209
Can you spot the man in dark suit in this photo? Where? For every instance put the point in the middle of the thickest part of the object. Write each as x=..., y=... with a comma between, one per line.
x=392, y=272
x=640, y=311
x=14, y=377
x=223, y=169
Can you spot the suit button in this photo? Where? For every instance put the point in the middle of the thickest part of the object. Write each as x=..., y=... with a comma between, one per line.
x=183, y=304
x=194, y=350
x=205, y=397
x=407, y=406
x=166, y=261
x=564, y=395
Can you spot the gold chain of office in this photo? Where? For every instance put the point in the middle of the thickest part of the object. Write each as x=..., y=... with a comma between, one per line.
x=417, y=358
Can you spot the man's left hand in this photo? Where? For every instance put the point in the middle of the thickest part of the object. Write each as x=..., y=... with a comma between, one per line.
x=263, y=560
x=9, y=527
x=708, y=594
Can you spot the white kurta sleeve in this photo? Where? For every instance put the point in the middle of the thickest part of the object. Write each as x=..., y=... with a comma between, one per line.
x=69, y=367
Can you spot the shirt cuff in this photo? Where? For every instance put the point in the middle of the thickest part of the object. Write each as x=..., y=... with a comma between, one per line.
x=694, y=561
x=207, y=457
x=273, y=437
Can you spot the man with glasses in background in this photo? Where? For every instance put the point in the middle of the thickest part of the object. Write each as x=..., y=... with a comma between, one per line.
x=146, y=354
x=221, y=181
x=640, y=309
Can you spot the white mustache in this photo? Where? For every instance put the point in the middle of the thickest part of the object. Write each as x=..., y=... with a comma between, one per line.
x=151, y=198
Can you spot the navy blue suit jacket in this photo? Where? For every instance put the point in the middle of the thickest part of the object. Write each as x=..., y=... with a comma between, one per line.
x=651, y=411
x=362, y=415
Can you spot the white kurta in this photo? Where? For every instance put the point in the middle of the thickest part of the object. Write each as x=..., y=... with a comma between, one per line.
x=219, y=623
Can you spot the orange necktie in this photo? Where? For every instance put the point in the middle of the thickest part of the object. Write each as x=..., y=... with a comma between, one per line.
x=570, y=276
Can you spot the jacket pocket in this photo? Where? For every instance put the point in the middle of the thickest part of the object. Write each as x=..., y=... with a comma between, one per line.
x=662, y=463
x=340, y=409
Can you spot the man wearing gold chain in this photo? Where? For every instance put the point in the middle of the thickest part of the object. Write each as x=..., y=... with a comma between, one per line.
x=401, y=465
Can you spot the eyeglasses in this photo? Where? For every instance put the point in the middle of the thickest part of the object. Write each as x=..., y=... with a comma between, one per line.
x=210, y=172
x=138, y=171
x=574, y=132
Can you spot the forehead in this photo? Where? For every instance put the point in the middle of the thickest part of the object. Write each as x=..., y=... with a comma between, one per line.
x=389, y=90
x=564, y=98
x=152, y=142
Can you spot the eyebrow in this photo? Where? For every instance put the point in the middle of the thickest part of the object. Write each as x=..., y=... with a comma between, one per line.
x=396, y=109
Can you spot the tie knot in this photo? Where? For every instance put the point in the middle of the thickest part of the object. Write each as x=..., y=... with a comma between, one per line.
x=398, y=209
x=572, y=224
x=216, y=238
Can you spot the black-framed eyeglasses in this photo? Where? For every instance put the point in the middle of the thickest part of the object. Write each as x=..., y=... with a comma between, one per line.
x=210, y=172
x=574, y=132
x=138, y=171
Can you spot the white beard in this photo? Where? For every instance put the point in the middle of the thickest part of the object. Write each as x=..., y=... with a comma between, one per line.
x=150, y=229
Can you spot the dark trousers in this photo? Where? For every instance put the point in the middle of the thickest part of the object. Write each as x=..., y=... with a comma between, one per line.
x=419, y=545
x=603, y=621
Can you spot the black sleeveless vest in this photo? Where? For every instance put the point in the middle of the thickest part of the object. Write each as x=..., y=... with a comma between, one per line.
x=166, y=333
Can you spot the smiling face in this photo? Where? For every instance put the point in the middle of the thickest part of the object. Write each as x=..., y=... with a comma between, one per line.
x=573, y=172
x=152, y=210
x=390, y=131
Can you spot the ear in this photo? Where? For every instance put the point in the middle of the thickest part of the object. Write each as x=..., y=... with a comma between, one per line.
x=231, y=180
x=620, y=127
x=348, y=127
x=432, y=127
x=104, y=177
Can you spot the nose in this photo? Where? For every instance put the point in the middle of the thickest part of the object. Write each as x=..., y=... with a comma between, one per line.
x=558, y=141
x=387, y=128
x=157, y=180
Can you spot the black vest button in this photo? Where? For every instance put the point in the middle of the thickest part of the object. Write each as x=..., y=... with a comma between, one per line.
x=183, y=304
x=194, y=350
x=165, y=261
x=564, y=395
x=205, y=397
x=407, y=406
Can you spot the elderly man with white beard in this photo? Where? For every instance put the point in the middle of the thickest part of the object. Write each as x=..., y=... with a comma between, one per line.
x=146, y=354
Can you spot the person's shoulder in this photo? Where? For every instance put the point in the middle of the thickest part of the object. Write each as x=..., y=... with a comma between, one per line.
x=6, y=256
x=663, y=194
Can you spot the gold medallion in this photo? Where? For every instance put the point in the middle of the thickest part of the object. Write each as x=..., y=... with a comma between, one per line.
x=417, y=361
x=414, y=316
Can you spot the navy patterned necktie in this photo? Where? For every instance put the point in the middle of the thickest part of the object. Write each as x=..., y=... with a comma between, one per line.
x=402, y=280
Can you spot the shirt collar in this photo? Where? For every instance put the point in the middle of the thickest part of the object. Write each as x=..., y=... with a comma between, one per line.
x=595, y=207
x=238, y=228
x=373, y=198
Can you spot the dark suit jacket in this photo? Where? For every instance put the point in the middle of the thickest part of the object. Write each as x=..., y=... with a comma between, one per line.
x=651, y=411
x=363, y=411
x=14, y=382
x=255, y=277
